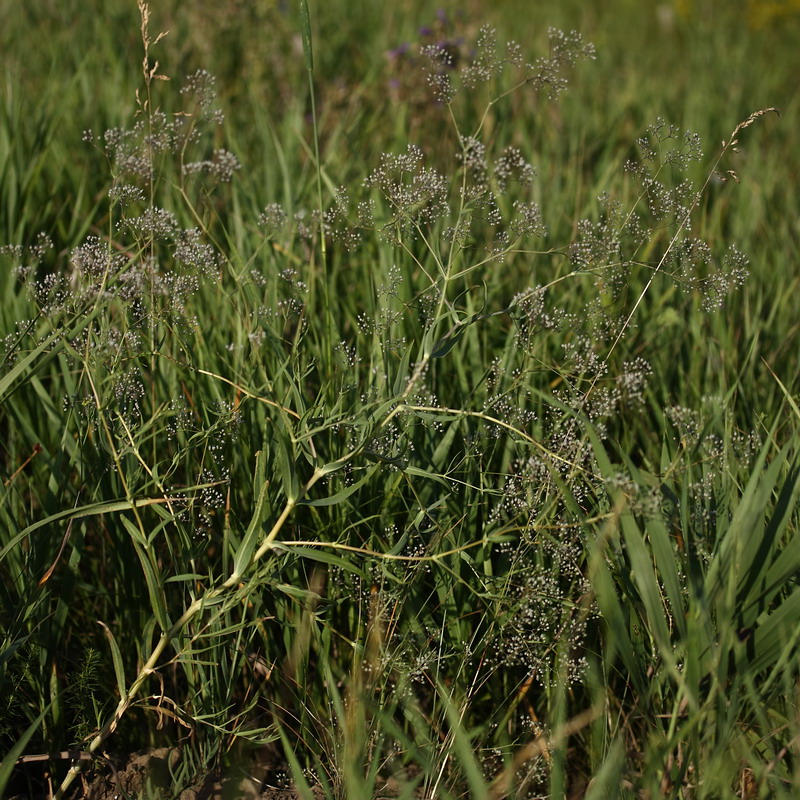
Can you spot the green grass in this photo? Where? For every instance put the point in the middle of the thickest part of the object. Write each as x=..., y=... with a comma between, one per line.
x=401, y=502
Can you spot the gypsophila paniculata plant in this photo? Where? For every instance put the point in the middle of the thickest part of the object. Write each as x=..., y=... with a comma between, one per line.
x=367, y=438
x=136, y=283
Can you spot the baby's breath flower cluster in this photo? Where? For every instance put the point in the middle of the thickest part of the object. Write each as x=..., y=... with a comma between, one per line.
x=134, y=286
x=221, y=166
x=446, y=63
x=665, y=154
x=545, y=609
x=417, y=195
x=699, y=435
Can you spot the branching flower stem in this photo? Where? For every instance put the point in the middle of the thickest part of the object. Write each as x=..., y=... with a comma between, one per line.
x=173, y=632
x=729, y=145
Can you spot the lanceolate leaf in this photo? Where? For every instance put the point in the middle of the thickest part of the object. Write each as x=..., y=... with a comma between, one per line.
x=47, y=349
x=343, y=494
x=10, y=758
x=741, y=552
x=90, y=510
x=254, y=530
x=116, y=658
x=774, y=635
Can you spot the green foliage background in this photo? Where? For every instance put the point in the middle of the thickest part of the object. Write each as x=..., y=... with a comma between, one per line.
x=347, y=660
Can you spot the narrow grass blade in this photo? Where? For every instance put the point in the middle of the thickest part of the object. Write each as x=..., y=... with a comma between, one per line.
x=298, y=775
x=777, y=632
x=10, y=758
x=116, y=658
x=738, y=552
x=158, y=602
x=646, y=581
x=606, y=783
x=248, y=545
x=46, y=350
x=342, y=495
x=322, y=557
x=463, y=746
x=90, y=510
x=664, y=553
